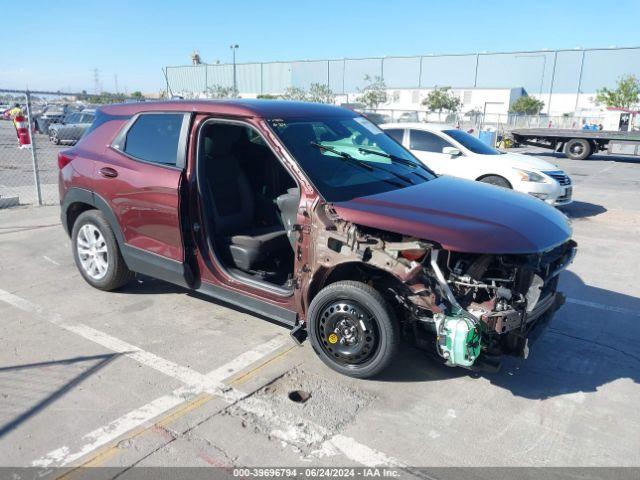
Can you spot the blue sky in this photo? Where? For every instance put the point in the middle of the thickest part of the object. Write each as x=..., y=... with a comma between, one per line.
x=56, y=45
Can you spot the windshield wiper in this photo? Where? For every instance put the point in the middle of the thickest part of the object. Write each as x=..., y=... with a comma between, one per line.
x=401, y=161
x=343, y=155
x=359, y=163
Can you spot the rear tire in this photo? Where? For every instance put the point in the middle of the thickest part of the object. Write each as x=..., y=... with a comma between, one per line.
x=96, y=252
x=577, y=149
x=353, y=329
x=496, y=180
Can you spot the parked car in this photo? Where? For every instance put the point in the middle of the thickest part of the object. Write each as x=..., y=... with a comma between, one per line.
x=449, y=151
x=310, y=215
x=72, y=127
x=51, y=114
x=408, y=117
x=377, y=118
x=4, y=112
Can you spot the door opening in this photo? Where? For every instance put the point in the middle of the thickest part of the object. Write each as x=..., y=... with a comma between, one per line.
x=250, y=202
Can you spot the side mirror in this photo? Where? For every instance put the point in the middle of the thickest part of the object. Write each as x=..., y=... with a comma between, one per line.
x=453, y=151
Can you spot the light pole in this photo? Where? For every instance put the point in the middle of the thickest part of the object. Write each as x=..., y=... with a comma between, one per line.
x=233, y=48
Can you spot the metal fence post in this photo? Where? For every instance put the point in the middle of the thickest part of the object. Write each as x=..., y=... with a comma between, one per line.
x=34, y=156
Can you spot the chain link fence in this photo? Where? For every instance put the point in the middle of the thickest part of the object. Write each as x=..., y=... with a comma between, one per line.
x=29, y=162
x=500, y=122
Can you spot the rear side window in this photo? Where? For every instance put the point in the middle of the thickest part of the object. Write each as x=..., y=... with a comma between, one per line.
x=426, y=141
x=396, y=134
x=155, y=138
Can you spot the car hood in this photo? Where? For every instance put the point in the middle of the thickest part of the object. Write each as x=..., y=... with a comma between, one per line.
x=463, y=216
x=526, y=162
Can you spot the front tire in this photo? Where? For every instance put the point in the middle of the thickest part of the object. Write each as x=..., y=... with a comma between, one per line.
x=496, y=180
x=353, y=329
x=96, y=252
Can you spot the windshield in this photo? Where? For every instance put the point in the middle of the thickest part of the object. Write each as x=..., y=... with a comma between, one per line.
x=347, y=158
x=472, y=143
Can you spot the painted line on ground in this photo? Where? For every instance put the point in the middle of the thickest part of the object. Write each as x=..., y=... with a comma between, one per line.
x=602, y=306
x=292, y=432
x=196, y=382
x=50, y=260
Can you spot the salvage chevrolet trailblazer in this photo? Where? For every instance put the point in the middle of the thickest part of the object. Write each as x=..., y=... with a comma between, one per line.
x=311, y=215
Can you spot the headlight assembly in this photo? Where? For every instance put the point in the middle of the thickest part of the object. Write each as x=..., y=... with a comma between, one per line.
x=527, y=176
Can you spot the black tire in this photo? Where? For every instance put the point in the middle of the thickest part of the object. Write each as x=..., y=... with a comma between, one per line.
x=376, y=344
x=496, y=180
x=53, y=137
x=117, y=273
x=578, y=149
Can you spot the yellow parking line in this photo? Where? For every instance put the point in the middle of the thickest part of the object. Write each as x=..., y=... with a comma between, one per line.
x=246, y=376
x=110, y=451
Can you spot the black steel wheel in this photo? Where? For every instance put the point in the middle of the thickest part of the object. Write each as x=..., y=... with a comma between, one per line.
x=348, y=331
x=353, y=329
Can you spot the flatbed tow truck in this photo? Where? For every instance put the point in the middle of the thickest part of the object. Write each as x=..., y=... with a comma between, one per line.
x=579, y=144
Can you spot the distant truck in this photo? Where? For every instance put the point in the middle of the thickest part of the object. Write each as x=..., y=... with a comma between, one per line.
x=579, y=144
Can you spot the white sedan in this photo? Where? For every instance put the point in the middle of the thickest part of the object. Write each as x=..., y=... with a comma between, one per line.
x=450, y=151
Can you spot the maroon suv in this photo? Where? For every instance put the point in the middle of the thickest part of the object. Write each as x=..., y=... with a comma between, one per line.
x=310, y=215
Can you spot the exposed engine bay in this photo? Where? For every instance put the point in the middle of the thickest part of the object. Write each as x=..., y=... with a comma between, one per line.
x=468, y=308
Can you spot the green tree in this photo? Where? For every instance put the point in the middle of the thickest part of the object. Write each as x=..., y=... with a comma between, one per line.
x=626, y=94
x=442, y=99
x=137, y=95
x=527, y=105
x=294, y=93
x=374, y=92
x=320, y=93
x=219, y=91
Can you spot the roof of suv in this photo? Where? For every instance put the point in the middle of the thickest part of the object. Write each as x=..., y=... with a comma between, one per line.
x=240, y=107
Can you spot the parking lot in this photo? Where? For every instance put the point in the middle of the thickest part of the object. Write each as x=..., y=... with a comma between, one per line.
x=156, y=376
x=16, y=167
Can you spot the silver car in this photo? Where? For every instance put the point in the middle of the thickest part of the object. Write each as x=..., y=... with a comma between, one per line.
x=71, y=128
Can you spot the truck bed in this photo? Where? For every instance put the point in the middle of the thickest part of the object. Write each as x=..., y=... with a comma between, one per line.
x=571, y=133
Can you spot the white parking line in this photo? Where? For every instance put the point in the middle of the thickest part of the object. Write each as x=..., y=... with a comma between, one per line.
x=50, y=260
x=290, y=431
x=299, y=430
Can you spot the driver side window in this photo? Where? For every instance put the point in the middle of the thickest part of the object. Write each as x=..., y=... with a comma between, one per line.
x=426, y=141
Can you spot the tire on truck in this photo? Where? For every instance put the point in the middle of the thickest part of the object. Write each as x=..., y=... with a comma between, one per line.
x=578, y=149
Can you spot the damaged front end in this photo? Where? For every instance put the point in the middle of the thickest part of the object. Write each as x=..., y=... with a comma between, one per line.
x=468, y=308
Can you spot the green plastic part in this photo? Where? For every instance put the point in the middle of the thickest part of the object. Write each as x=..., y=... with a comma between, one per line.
x=459, y=340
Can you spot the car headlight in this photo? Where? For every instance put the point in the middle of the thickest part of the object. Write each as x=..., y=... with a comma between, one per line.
x=527, y=176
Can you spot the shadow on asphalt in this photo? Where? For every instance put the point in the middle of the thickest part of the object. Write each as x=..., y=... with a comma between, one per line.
x=577, y=209
x=143, y=285
x=35, y=386
x=583, y=349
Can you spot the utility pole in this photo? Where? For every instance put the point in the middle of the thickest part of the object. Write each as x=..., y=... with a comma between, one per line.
x=233, y=48
x=115, y=80
x=96, y=81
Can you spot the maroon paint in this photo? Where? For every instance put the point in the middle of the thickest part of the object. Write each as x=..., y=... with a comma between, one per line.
x=463, y=216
